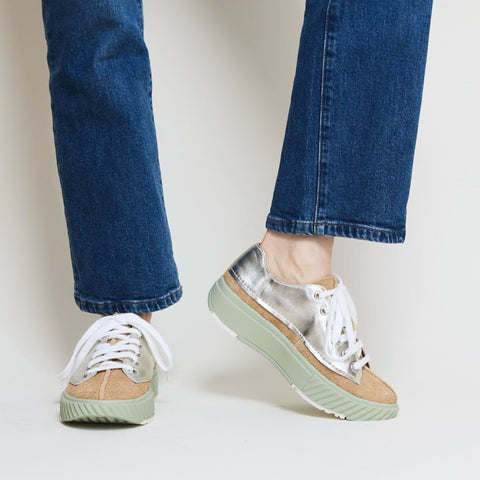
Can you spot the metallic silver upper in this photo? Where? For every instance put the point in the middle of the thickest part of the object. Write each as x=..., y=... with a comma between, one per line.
x=295, y=305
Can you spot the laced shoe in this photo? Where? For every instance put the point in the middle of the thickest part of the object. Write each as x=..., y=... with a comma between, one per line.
x=308, y=332
x=112, y=374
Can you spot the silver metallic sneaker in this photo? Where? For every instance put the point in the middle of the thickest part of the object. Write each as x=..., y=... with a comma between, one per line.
x=308, y=332
x=113, y=372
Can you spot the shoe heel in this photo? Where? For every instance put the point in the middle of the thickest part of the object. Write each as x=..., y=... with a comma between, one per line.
x=241, y=321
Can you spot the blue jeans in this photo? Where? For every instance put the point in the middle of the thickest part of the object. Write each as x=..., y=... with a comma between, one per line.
x=346, y=162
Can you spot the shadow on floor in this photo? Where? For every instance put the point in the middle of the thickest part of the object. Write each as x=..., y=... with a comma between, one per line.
x=259, y=383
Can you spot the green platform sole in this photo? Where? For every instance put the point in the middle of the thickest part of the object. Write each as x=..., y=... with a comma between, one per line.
x=137, y=411
x=251, y=328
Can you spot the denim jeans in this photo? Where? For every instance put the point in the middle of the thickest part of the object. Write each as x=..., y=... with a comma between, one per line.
x=346, y=162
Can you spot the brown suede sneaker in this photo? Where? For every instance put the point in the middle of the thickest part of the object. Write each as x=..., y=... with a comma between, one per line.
x=113, y=372
x=308, y=332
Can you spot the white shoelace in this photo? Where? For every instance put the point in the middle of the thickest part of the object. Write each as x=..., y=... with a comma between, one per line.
x=106, y=355
x=340, y=314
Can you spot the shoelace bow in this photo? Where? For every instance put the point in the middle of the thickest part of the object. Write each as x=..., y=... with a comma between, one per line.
x=340, y=314
x=106, y=355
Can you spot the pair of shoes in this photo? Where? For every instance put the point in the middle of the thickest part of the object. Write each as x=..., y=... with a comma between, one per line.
x=308, y=332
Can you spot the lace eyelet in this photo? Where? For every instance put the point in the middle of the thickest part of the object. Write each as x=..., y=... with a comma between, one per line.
x=316, y=296
x=344, y=352
x=134, y=371
x=323, y=311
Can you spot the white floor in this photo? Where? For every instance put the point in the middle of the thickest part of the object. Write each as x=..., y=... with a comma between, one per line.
x=230, y=414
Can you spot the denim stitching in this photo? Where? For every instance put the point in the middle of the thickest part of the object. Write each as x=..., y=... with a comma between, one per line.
x=353, y=225
x=322, y=105
x=140, y=8
x=131, y=302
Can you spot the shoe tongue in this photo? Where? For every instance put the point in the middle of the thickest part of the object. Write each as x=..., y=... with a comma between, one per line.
x=328, y=282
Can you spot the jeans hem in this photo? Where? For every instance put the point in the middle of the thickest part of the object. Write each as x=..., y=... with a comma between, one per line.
x=129, y=306
x=336, y=229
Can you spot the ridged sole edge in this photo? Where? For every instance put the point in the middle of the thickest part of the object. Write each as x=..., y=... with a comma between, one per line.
x=135, y=411
x=248, y=326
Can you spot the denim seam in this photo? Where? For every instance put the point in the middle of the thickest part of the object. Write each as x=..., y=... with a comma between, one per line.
x=130, y=302
x=140, y=8
x=322, y=112
x=337, y=224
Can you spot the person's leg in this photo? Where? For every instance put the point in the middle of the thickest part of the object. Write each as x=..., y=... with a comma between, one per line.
x=345, y=171
x=298, y=258
x=100, y=84
x=347, y=157
x=121, y=250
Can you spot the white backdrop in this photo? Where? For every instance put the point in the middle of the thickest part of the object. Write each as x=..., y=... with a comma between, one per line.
x=222, y=73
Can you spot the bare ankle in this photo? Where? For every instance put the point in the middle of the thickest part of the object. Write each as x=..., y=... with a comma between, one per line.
x=146, y=316
x=298, y=258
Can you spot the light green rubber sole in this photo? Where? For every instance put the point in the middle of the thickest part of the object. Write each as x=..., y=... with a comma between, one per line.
x=251, y=328
x=137, y=411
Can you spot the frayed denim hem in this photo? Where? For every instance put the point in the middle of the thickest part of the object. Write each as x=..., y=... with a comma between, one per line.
x=129, y=306
x=335, y=229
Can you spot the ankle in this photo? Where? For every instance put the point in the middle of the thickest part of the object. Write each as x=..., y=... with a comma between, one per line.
x=297, y=258
x=146, y=316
